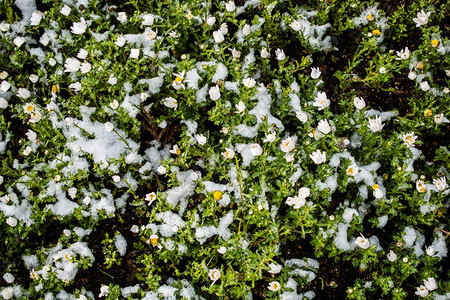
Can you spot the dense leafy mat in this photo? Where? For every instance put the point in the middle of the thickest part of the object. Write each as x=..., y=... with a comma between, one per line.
x=224, y=150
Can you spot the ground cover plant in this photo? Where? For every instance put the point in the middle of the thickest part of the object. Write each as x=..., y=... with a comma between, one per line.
x=224, y=150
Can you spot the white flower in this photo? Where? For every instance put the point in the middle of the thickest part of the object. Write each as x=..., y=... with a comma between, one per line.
x=112, y=79
x=65, y=10
x=36, y=18
x=134, y=53
x=210, y=21
x=229, y=153
x=33, y=78
x=223, y=28
x=440, y=118
x=218, y=36
x=424, y=86
x=264, y=53
x=222, y=250
x=114, y=105
x=214, y=274
x=362, y=242
x=321, y=101
x=11, y=221
x=116, y=178
x=352, y=170
x=377, y=192
x=235, y=53
x=249, y=82
x=318, y=157
x=430, y=284
x=170, y=102
x=412, y=75
x=52, y=62
x=440, y=184
x=76, y=86
x=7, y=293
x=302, y=116
x=324, y=126
x=5, y=85
x=35, y=117
x=296, y=25
x=79, y=27
x=214, y=93
x=150, y=34
x=18, y=41
x=72, y=192
x=430, y=251
x=175, y=150
x=178, y=81
x=359, y=103
x=23, y=93
x=403, y=54
x=109, y=126
x=104, y=291
x=287, y=145
x=8, y=277
x=72, y=65
x=240, y=107
x=274, y=286
x=148, y=20
x=375, y=124
x=420, y=186
x=4, y=27
x=280, y=54
x=315, y=73
x=230, y=6
x=422, y=18
x=246, y=30
x=120, y=42
x=134, y=229
x=3, y=103
x=275, y=268
x=31, y=135
x=392, y=256
x=27, y=150
x=256, y=149
x=150, y=197
x=270, y=137
x=122, y=17
x=304, y=192
x=85, y=67
x=422, y=291
x=4, y=75
x=289, y=157
x=161, y=170
x=201, y=139
x=409, y=138
x=382, y=70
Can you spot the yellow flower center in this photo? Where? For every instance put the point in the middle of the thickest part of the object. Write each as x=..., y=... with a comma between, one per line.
x=54, y=88
x=178, y=79
x=375, y=186
x=435, y=43
x=30, y=108
x=350, y=171
x=419, y=65
x=376, y=32
x=428, y=113
x=154, y=240
x=217, y=195
x=178, y=151
x=409, y=139
x=369, y=17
